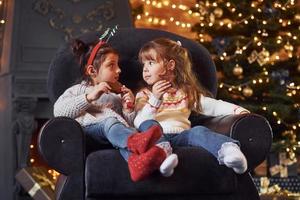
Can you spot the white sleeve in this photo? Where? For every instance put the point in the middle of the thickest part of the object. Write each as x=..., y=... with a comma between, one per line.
x=148, y=111
x=70, y=104
x=215, y=107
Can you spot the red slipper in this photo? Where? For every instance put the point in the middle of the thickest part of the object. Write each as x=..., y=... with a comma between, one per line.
x=141, y=166
x=140, y=142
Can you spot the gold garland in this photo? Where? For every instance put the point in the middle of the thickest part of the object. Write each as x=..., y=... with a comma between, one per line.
x=266, y=189
x=43, y=179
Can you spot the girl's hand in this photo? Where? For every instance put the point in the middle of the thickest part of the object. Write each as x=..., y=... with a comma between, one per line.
x=127, y=99
x=160, y=87
x=98, y=90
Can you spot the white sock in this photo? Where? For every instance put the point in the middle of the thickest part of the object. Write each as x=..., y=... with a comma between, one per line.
x=167, y=167
x=171, y=161
x=231, y=155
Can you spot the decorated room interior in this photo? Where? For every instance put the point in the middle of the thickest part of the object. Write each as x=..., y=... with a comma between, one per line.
x=254, y=45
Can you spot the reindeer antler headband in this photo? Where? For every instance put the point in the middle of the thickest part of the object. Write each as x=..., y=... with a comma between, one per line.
x=107, y=34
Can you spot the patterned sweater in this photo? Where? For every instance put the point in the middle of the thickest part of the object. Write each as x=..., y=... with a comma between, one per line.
x=73, y=103
x=172, y=110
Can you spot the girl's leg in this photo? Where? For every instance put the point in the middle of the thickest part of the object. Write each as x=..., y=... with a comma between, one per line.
x=224, y=148
x=147, y=124
x=95, y=132
x=124, y=137
x=171, y=160
x=125, y=153
x=98, y=132
x=116, y=132
x=201, y=136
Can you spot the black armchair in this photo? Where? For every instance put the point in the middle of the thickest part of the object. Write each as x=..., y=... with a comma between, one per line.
x=94, y=171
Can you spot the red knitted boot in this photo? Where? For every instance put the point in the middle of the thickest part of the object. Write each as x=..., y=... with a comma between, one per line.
x=140, y=142
x=141, y=166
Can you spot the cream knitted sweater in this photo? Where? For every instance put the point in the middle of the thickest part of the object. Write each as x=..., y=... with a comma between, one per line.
x=172, y=110
x=73, y=103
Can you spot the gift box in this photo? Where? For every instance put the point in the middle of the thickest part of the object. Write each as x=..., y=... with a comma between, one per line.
x=280, y=165
x=37, y=182
x=279, y=197
x=274, y=184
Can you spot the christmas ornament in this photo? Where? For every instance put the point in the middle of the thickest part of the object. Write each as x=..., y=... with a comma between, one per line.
x=253, y=56
x=263, y=57
x=218, y=12
x=247, y=92
x=269, y=11
x=220, y=44
x=283, y=55
x=282, y=76
x=237, y=70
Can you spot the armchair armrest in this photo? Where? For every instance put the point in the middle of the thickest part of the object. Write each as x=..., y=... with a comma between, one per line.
x=251, y=130
x=61, y=144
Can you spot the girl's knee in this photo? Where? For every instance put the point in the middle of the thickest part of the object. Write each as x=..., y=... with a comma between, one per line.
x=147, y=124
x=109, y=122
x=199, y=128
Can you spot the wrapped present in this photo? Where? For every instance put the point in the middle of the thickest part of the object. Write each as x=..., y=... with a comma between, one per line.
x=279, y=197
x=37, y=182
x=273, y=185
x=280, y=165
x=277, y=188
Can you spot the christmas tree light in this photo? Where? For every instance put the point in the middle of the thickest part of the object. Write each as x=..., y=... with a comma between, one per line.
x=256, y=50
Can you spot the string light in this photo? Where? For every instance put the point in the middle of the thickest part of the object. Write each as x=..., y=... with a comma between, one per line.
x=239, y=87
x=292, y=126
x=154, y=20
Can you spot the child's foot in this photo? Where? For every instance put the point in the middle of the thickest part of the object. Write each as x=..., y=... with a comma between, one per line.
x=167, y=167
x=230, y=154
x=141, y=166
x=140, y=142
x=171, y=161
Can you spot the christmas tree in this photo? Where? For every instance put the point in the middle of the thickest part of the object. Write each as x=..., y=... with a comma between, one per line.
x=255, y=45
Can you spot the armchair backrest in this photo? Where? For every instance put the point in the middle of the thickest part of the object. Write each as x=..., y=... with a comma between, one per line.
x=64, y=70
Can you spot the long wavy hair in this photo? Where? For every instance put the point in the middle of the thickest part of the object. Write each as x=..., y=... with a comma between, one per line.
x=185, y=78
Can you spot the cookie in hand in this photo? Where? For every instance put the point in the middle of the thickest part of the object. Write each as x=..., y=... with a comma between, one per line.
x=116, y=87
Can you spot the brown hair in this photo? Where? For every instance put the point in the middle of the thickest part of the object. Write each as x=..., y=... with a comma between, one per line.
x=83, y=51
x=185, y=78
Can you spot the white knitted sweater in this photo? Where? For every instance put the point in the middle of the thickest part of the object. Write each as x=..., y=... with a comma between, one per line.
x=172, y=110
x=73, y=103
